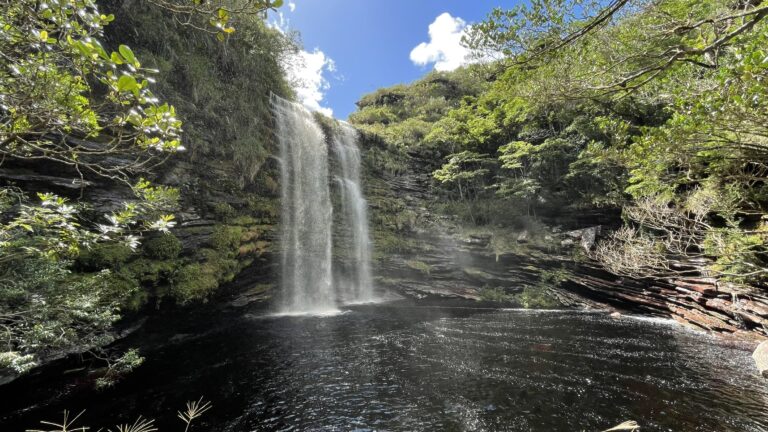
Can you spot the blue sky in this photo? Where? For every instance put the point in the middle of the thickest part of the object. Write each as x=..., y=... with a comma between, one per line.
x=361, y=45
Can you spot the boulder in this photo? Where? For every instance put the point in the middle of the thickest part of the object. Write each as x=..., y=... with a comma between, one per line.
x=761, y=358
x=566, y=243
x=588, y=237
x=482, y=240
x=523, y=237
x=585, y=236
x=575, y=234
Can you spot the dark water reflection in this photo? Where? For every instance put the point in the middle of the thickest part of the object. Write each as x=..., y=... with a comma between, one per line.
x=406, y=368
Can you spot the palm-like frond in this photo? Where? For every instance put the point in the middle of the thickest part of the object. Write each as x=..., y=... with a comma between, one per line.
x=140, y=425
x=194, y=410
x=66, y=424
x=631, y=426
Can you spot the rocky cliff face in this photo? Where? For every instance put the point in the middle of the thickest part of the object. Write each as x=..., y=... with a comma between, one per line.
x=422, y=253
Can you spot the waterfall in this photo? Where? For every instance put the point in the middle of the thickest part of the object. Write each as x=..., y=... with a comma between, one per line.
x=358, y=287
x=307, y=214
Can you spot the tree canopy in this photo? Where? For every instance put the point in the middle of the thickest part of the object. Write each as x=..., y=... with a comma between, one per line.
x=655, y=107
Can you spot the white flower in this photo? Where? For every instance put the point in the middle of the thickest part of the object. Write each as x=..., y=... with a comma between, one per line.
x=66, y=210
x=162, y=225
x=132, y=242
x=107, y=229
x=112, y=219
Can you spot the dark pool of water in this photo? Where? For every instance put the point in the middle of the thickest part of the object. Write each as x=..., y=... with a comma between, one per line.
x=404, y=368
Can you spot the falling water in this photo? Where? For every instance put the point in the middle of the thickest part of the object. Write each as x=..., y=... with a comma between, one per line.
x=358, y=286
x=307, y=214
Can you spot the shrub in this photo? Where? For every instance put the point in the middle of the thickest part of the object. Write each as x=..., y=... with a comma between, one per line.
x=553, y=278
x=495, y=295
x=537, y=298
x=370, y=115
x=120, y=367
x=219, y=265
x=166, y=246
x=104, y=255
x=226, y=238
x=192, y=283
x=266, y=208
x=223, y=211
x=126, y=286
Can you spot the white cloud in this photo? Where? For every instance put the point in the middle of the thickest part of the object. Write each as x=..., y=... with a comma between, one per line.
x=444, y=48
x=305, y=70
x=306, y=73
x=279, y=22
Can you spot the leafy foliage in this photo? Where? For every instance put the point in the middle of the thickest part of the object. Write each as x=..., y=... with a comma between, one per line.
x=67, y=272
x=657, y=107
x=220, y=124
x=60, y=86
x=45, y=307
x=163, y=247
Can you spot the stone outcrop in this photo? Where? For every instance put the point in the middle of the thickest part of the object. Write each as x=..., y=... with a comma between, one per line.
x=761, y=358
x=464, y=265
x=585, y=236
x=702, y=303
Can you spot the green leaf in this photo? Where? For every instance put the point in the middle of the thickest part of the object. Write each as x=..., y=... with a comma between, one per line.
x=127, y=54
x=127, y=83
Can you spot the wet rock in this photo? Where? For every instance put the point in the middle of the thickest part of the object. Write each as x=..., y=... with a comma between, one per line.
x=575, y=234
x=180, y=337
x=542, y=347
x=523, y=237
x=257, y=293
x=481, y=240
x=703, y=288
x=616, y=315
x=64, y=182
x=589, y=236
x=188, y=218
x=761, y=358
x=585, y=236
x=484, y=277
x=461, y=265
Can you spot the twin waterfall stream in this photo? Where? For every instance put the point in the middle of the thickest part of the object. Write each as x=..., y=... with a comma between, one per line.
x=309, y=283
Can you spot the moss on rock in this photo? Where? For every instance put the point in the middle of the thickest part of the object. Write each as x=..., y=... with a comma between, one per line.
x=193, y=282
x=166, y=246
x=103, y=256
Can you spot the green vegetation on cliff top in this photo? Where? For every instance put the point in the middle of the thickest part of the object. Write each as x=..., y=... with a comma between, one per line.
x=669, y=127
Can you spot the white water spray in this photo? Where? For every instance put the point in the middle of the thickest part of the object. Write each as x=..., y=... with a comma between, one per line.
x=307, y=215
x=358, y=288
